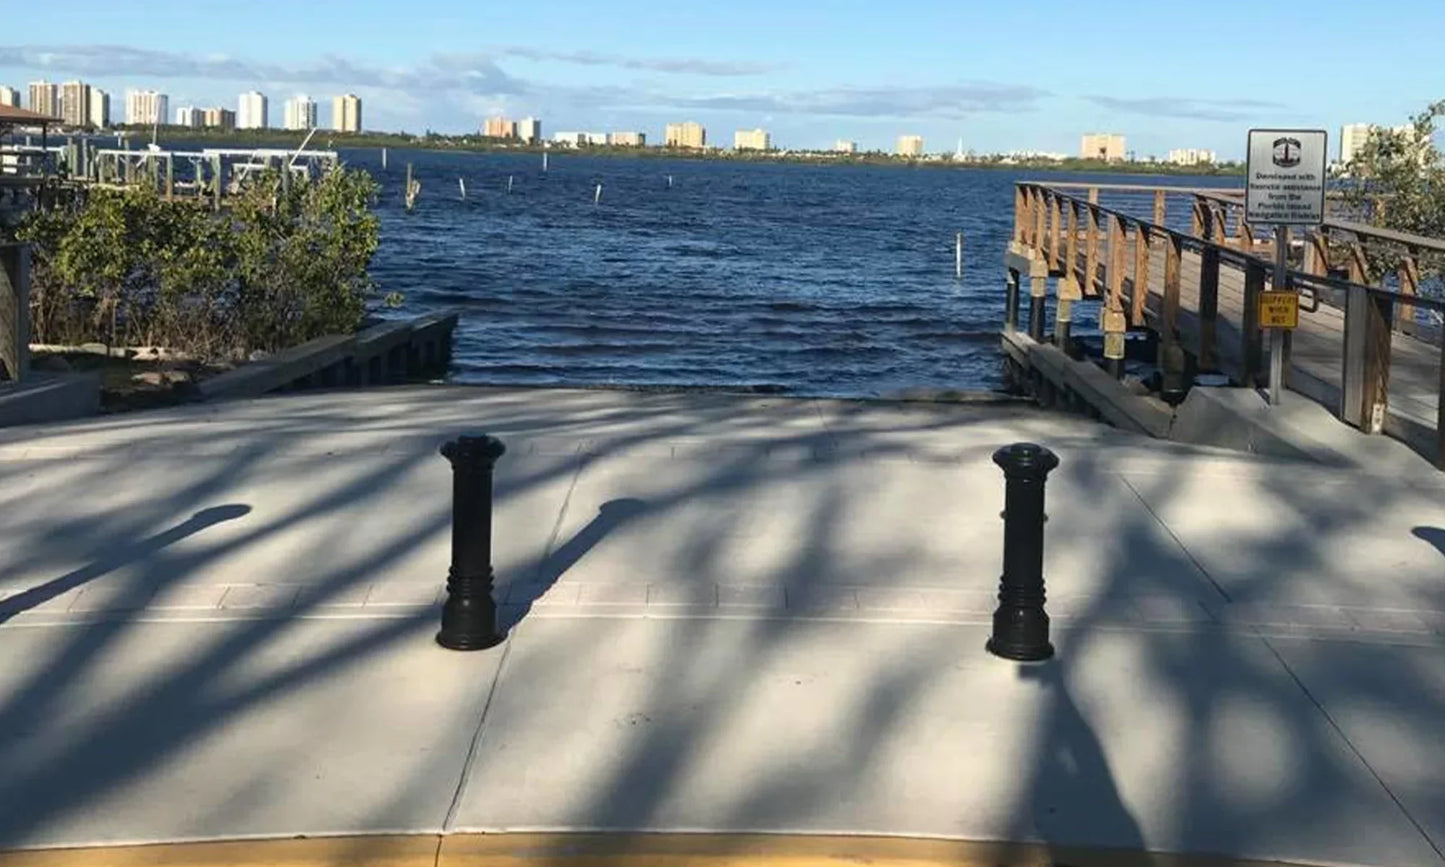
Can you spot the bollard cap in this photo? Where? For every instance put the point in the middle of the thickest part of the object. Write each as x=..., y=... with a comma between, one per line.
x=1026, y=459
x=473, y=448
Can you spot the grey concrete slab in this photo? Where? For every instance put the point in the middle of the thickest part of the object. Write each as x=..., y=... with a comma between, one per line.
x=1389, y=702
x=154, y=732
x=1181, y=743
x=329, y=523
x=1286, y=537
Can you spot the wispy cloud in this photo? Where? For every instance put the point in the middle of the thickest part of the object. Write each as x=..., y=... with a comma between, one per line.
x=685, y=65
x=938, y=101
x=459, y=71
x=1190, y=109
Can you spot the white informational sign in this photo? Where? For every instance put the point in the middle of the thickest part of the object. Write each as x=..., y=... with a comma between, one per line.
x=1286, y=172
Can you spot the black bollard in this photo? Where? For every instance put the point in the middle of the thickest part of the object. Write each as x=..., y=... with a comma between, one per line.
x=469, y=618
x=1020, y=626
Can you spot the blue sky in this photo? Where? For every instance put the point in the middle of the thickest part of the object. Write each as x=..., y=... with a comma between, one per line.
x=1027, y=74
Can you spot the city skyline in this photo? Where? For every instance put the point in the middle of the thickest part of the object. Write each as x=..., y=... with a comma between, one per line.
x=943, y=70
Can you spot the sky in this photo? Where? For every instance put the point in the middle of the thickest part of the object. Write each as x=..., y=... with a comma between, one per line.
x=1001, y=76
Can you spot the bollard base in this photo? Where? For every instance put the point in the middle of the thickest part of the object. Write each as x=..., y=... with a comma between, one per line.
x=1020, y=653
x=467, y=642
x=469, y=617
x=1021, y=634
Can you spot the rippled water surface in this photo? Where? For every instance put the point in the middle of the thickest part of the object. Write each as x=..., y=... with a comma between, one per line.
x=826, y=280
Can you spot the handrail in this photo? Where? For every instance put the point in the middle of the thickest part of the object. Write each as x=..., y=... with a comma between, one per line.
x=1101, y=236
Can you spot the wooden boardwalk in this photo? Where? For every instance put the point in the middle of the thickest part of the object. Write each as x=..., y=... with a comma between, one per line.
x=1397, y=364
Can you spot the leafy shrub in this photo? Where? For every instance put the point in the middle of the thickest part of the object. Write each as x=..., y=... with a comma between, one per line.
x=285, y=263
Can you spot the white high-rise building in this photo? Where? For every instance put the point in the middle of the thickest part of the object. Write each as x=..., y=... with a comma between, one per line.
x=910, y=145
x=99, y=109
x=254, y=110
x=301, y=112
x=529, y=130
x=10, y=96
x=45, y=98
x=1105, y=146
x=75, y=103
x=844, y=146
x=1191, y=157
x=752, y=140
x=346, y=113
x=190, y=117
x=146, y=107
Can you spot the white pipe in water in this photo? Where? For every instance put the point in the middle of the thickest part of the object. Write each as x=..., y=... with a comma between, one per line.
x=597, y=197
x=463, y=184
x=509, y=184
x=958, y=257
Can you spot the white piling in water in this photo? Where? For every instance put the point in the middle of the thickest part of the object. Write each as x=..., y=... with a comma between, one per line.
x=544, y=161
x=958, y=257
x=463, y=185
x=669, y=182
x=383, y=159
x=509, y=185
x=597, y=196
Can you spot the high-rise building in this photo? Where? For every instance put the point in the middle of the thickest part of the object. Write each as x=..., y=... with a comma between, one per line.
x=254, y=111
x=301, y=112
x=685, y=135
x=595, y=139
x=752, y=140
x=843, y=146
x=99, y=109
x=75, y=103
x=219, y=118
x=1191, y=157
x=44, y=98
x=529, y=130
x=1352, y=138
x=346, y=113
x=1105, y=146
x=146, y=107
x=10, y=96
x=627, y=139
x=910, y=146
x=499, y=127
x=189, y=117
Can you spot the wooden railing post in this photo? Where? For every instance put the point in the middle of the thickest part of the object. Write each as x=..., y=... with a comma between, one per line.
x=1409, y=286
x=1093, y=195
x=1253, y=350
x=1020, y=212
x=1246, y=237
x=1316, y=258
x=1199, y=218
x=1056, y=218
x=1091, y=250
x=1116, y=262
x=1140, y=296
x=1365, y=396
x=1040, y=215
x=1208, y=305
x=1071, y=247
x=1159, y=207
x=1173, y=257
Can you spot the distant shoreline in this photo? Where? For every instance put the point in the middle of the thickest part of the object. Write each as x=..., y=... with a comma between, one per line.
x=330, y=140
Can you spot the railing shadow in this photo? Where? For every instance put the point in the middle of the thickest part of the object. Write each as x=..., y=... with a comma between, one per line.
x=122, y=556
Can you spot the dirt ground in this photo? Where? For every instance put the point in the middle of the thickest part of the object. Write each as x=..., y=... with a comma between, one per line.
x=135, y=382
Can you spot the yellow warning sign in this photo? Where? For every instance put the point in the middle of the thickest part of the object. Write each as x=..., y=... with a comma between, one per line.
x=1279, y=310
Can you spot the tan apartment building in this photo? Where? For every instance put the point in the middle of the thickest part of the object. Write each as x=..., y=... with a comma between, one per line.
x=346, y=113
x=1105, y=146
x=10, y=96
x=499, y=127
x=218, y=118
x=45, y=98
x=75, y=103
x=685, y=135
x=910, y=146
x=752, y=140
x=628, y=139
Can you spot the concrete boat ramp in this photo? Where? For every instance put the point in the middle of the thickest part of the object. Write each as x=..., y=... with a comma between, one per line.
x=743, y=630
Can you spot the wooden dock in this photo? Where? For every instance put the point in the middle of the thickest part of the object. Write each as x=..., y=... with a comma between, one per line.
x=1368, y=346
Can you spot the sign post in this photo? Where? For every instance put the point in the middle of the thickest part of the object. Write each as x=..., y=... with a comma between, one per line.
x=1285, y=187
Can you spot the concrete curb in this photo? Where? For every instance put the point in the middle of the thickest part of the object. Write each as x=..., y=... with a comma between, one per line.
x=610, y=850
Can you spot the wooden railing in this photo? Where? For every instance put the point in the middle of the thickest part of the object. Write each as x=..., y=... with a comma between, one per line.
x=1103, y=240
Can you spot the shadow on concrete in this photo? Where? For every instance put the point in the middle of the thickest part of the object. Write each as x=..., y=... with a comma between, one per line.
x=1074, y=786
x=119, y=557
x=610, y=516
x=1434, y=535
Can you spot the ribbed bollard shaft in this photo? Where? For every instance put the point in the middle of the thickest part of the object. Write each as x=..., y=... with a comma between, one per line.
x=469, y=618
x=1020, y=626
